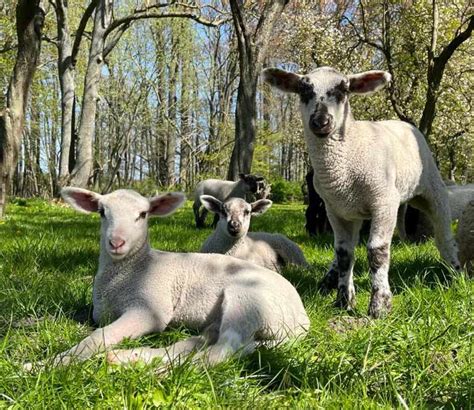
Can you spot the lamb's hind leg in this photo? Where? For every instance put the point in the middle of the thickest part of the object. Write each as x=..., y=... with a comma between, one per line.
x=169, y=354
x=378, y=252
x=244, y=314
x=436, y=206
x=346, y=236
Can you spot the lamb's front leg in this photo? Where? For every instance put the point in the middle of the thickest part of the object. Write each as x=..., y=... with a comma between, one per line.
x=346, y=237
x=132, y=324
x=378, y=252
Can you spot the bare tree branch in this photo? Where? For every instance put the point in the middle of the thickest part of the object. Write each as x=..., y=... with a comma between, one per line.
x=436, y=69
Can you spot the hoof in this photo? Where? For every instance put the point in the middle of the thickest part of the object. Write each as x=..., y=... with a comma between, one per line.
x=328, y=283
x=380, y=304
x=122, y=356
x=345, y=298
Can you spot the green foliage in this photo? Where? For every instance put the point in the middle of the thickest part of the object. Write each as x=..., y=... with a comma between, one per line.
x=286, y=191
x=420, y=356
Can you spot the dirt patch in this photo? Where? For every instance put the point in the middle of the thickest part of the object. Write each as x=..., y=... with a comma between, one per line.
x=344, y=324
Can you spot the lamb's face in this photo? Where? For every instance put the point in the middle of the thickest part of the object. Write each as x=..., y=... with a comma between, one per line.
x=324, y=104
x=124, y=222
x=124, y=215
x=252, y=182
x=324, y=95
x=235, y=213
x=235, y=217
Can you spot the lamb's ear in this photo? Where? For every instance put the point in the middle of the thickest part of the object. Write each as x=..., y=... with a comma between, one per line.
x=242, y=176
x=368, y=82
x=166, y=204
x=211, y=204
x=261, y=206
x=283, y=80
x=81, y=200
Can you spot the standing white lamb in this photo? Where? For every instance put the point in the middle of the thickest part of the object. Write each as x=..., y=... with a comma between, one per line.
x=138, y=290
x=231, y=237
x=365, y=170
x=465, y=237
x=247, y=184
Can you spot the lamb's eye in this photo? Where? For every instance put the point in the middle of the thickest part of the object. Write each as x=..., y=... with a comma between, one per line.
x=246, y=212
x=142, y=215
x=102, y=212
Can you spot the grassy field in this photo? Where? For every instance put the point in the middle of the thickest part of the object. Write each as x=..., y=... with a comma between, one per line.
x=422, y=355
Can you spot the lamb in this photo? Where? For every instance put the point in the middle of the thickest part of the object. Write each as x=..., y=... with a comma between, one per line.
x=272, y=251
x=139, y=290
x=459, y=198
x=418, y=226
x=222, y=190
x=465, y=237
x=365, y=170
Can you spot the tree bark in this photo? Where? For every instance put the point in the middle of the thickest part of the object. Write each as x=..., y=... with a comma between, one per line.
x=252, y=47
x=67, y=84
x=29, y=25
x=83, y=167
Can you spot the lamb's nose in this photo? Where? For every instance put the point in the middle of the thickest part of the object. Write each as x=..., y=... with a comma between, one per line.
x=234, y=224
x=320, y=121
x=116, y=243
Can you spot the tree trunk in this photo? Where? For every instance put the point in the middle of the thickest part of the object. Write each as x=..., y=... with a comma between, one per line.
x=245, y=129
x=252, y=51
x=29, y=25
x=83, y=167
x=436, y=67
x=67, y=84
x=171, y=128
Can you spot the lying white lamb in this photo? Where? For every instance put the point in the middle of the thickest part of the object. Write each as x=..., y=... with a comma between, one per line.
x=139, y=290
x=246, y=184
x=365, y=170
x=231, y=237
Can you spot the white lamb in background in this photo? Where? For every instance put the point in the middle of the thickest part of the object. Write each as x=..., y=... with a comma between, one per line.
x=247, y=184
x=231, y=237
x=459, y=198
x=465, y=237
x=365, y=170
x=139, y=290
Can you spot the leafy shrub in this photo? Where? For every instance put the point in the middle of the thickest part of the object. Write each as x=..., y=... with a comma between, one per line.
x=285, y=191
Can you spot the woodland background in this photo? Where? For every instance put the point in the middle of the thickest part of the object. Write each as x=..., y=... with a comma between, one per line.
x=157, y=106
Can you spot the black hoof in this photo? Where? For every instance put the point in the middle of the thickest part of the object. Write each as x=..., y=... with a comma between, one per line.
x=328, y=283
x=345, y=298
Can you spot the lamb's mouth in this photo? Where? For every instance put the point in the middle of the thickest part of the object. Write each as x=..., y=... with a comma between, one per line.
x=233, y=233
x=117, y=253
x=322, y=132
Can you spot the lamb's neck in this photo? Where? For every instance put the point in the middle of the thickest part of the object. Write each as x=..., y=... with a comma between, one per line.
x=106, y=263
x=226, y=244
x=237, y=190
x=332, y=157
x=335, y=149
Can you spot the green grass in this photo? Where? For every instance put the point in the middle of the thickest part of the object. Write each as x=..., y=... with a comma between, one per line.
x=422, y=355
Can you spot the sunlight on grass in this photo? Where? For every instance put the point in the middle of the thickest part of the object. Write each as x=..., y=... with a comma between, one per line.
x=422, y=355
